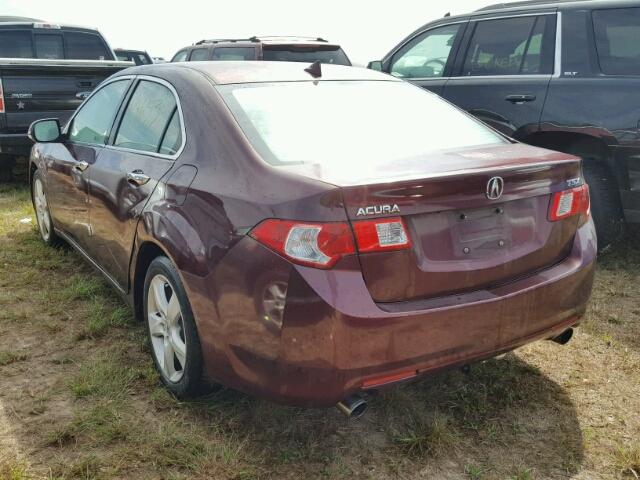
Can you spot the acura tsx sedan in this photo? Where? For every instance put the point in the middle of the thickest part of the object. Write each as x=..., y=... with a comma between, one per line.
x=311, y=234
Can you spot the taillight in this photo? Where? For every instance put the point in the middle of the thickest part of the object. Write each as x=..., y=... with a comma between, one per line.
x=1, y=98
x=570, y=202
x=381, y=235
x=318, y=245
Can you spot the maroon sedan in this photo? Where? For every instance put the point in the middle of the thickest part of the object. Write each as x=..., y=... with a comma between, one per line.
x=309, y=238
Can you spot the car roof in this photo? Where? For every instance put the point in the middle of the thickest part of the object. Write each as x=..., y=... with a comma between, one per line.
x=265, y=40
x=560, y=4
x=232, y=72
x=534, y=5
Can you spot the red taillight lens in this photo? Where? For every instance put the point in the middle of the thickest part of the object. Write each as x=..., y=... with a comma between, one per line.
x=1, y=98
x=318, y=245
x=381, y=235
x=570, y=202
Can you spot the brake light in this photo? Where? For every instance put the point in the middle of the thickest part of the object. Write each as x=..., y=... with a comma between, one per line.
x=318, y=245
x=381, y=235
x=570, y=202
x=1, y=98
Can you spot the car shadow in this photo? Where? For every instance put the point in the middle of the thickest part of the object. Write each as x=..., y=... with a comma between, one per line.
x=614, y=309
x=504, y=415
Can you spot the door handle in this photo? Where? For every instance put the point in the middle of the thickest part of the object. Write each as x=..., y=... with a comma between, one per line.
x=137, y=178
x=520, y=98
x=81, y=166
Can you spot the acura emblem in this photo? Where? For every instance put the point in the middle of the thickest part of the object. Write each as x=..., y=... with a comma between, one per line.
x=495, y=186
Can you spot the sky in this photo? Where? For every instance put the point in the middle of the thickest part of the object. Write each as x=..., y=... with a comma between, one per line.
x=365, y=29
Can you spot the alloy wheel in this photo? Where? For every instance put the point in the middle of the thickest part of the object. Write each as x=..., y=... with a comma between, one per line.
x=166, y=327
x=42, y=209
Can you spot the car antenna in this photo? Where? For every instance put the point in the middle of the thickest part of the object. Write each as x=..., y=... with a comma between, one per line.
x=448, y=14
x=314, y=69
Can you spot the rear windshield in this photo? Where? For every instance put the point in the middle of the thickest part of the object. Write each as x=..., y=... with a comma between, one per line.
x=353, y=124
x=139, y=58
x=307, y=54
x=52, y=45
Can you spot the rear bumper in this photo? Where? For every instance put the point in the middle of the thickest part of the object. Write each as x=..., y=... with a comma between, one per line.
x=15, y=144
x=335, y=340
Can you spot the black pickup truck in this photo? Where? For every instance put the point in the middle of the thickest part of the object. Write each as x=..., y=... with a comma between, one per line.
x=563, y=75
x=46, y=70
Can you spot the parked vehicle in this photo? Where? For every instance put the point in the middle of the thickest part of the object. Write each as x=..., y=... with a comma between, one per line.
x=159, y=60
x=46, y=70
x=275, y=49
x=139, y=57
x=561, y=75
x=244, y=211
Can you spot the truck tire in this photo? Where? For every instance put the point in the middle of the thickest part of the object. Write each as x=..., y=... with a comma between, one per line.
x=606, y=208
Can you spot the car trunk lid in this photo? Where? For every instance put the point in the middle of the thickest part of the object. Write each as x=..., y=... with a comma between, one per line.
x=462, y=240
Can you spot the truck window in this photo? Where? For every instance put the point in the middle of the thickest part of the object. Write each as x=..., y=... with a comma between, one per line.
x=511, y=46
x=234, y=53
x=324, y=54
x=181, y=56
x=15, y=44
x=199, y=54
x=617, y=32
x=49, y=46
x=85, y=46
x=426, y=55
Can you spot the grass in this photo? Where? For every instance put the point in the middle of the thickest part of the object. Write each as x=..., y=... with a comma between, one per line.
x=79, y=397
x=8, y=357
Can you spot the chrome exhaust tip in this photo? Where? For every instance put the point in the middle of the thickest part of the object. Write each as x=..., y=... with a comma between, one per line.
x=353, y=406
x=564, y=337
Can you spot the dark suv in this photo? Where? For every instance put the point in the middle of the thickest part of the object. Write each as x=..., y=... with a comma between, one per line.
x=278, y=49
x=561, y=75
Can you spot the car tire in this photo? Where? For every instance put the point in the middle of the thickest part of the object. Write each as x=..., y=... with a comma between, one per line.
x=43, y=213
x=606, y=208
x=173, y=336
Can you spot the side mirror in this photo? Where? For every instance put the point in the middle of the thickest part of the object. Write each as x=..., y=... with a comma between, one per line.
x=45, y=131
x=375, y=65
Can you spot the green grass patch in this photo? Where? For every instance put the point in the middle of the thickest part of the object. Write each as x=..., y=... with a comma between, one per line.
x=8, y=357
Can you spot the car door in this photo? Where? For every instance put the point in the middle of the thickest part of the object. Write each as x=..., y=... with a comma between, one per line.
x=69, y=163
x=142, y=149
x=426, y=59
x=504, y=69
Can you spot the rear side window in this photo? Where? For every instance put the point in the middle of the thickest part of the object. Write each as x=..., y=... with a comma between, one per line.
x=173, y=137
x=93, y=122
x=49, y=46
x=150, y=117
x=511, y=46
x=85, y=46
x=617, y=33
x=199, y=54
x=181, y=56
x=426, y=55
x=15, y=44
x=234, y=53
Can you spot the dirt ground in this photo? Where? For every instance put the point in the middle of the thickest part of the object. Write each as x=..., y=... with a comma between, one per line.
x=79, y=397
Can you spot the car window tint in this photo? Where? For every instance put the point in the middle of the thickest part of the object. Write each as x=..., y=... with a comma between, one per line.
x=173, y=136
x=16, y=44
x=85, y=46
x=234, y=53
x=49, y=46
x=509, y=46
x=426, y=55
x=146, y=118
x=93, y=122
x=330, y=54
x=617, y=33
x=199, y=54
x=181, y=56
